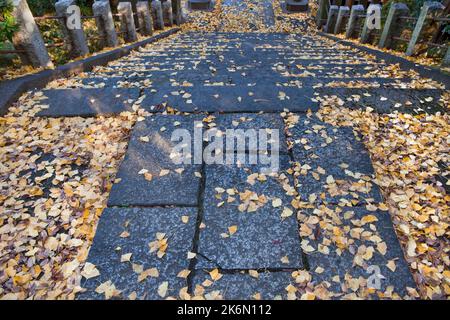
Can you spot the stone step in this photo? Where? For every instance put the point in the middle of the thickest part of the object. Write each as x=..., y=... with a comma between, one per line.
x=177, y=79
x=386, y=100
x=232, y=99
x=241, y=60
x=87, y=102
x=205, y=66
x=251, y=51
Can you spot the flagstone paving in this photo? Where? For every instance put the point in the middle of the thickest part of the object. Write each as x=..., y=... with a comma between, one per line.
x=121, y=250
x=233, y=198
x=152, y=174
x=323, y=151
x=233, y=231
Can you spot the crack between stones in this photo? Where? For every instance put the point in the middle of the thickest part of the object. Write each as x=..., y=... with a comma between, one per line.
x=200, y=213
x=259, y=270
x=291, y=157
x=155, y=206
x=210, y=260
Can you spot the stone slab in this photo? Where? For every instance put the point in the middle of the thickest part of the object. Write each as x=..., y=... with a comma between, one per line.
x=424, y=71
x=234, y=99
x=262, y=238
x=242, y=286
x=174, y=188
x=142, y=224
x=87, y=102
x=387, y=100
x=318, y=144
x=12, y=89
x=335, y=264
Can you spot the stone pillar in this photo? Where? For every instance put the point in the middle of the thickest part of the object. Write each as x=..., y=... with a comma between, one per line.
x=356, y=11
x=332, y=17
x=145, y=18
x=127, y=21
x=29, y=38
x=321, y=12
x=199, y=4
x=341, y=20
x=157, y=15
x=446, y=61
x=167, y=13
x=105, y=23
x=176, y=11
x=430, y=9
x=72, y=28
x=392, y=26
x=367, y=33
x=297, y=5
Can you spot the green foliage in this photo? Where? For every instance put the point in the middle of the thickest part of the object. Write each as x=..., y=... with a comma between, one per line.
x=41, y=7
x=7, y=24
x=447, y=29
x=413, y=5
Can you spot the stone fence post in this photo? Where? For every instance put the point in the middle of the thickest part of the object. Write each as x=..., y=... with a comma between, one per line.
x=446, y=60
x=176, y=11
x=356, y=11
x=321, y=12
x=157, y=15
x=167, y=13
x=332, y=17
x=144, y=18
x=341, y=19
x=367, y=33
x=105, y=23
x=199, y=4
x=430, y=9
x=29, y=38
x=72, y=27
x=392, y=26
x=128, y=26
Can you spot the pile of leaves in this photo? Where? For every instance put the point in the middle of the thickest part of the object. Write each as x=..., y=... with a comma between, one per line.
x=248, y=17
x=410, y=155
x=55, y=176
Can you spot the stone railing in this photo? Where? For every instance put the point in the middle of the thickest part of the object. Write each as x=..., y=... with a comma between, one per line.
x=30, y=46
x=354, y=22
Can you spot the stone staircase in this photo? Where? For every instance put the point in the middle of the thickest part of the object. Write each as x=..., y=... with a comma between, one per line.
x=241, y=81
x=225, y=72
